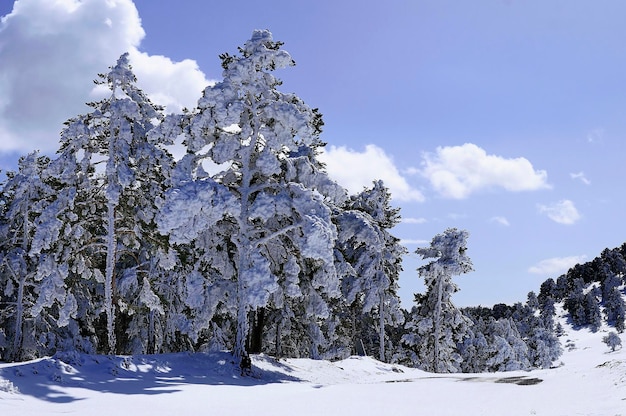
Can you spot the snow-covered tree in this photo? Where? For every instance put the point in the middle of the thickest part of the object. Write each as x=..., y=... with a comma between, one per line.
x=613, y=262
x=615, y=309
x=612, y=340
x=509, y=352
x=197, y=216
x=247, y=124
x=103, y=173
x=374, y=257
x=475, y=350
x=438, y=327
x=592, y=311
x=302, y=319
x=24, y=197
x=544, y=347
x=575, y=304
x=610, y=281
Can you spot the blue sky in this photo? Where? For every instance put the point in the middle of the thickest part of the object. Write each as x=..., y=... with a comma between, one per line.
x=505, y=118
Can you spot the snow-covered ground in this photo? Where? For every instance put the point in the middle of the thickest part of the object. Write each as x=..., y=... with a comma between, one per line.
x=591, y=380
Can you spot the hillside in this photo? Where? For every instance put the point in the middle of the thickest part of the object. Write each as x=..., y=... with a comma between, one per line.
x=589, y=380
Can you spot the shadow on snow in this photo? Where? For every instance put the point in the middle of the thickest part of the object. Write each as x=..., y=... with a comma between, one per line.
x=49, y=378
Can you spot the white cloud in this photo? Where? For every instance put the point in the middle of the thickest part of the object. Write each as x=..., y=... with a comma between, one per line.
x=458, y=171
x=414, y=220
x=563, y=212
x=501, y=220
x=410, y=242
x=51, y=51
x=355, y=170
x=556, y=266
x=173, y=84
x=581, y=177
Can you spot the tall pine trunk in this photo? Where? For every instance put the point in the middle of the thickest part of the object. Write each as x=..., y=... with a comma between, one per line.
x=381, y=331
x=437, y=324
x=244, y=248
x=109, y=276
x=256, y=332
x=19, y=320
x=279, y=348
x=19, y=307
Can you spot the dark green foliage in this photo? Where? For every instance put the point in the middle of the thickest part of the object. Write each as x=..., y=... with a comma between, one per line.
x=592, y=311
x=614, y=308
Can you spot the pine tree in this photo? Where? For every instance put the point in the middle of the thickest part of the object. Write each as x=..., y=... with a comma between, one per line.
x=532, y=300
x=375, y=256
x=475, y=350
x=303, y=318
x=246, y=122
x=615, y=309
x=613, y=262
x=544, y=347
x=592, y=311
x=610, y=281
x=105, y=249
x=438, y=326
x=24, y=197
x=575, y=304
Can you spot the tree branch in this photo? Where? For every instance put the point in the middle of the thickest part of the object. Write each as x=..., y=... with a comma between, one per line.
x=275, y=234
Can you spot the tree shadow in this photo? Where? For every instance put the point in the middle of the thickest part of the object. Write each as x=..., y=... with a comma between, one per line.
x=51, y=379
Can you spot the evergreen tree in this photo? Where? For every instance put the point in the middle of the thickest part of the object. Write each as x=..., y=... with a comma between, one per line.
x=106, y=251
x=613, y=262
x=508, y=351
x=532, y=301
x=575, y=305
x=246, y=122
x=438, y=326
x=592, y=311
x=374, y=256
x=547, y=312
x=610, y=281
x=615, y=309
x=475, y=350
x=294, y=325
x=544, y=347
x=24, y=197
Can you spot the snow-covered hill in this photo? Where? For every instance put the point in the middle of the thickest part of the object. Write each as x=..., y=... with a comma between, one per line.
x=590, y=380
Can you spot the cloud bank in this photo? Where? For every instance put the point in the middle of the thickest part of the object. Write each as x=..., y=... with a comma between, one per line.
x=51, y=51
x=556, y=266
x=458, y=171
x=356, y=170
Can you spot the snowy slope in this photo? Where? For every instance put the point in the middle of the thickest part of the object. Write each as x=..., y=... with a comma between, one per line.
x=590, y=381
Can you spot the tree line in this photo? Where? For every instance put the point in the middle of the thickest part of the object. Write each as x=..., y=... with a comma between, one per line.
x=115, y=247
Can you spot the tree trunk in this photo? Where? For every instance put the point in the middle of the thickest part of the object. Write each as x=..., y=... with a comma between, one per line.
x=381, y=333
x=279, y=349
x=19, y=312
x=256, y=333
x=437, y=324
x=19, y=320
x=244, y=243
x=108, y=278
x=243, y=249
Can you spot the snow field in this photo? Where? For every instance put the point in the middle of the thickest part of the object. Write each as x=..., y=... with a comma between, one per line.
x=590, y=380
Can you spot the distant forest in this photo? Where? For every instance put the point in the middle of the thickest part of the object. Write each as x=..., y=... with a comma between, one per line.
x=115, y=247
